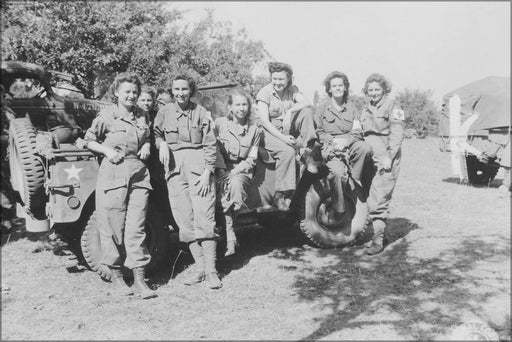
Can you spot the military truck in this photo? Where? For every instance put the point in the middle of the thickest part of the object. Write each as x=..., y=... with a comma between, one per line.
x=55, y=180
x=475, y=128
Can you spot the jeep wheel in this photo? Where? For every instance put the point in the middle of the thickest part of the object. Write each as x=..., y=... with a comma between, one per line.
x=319, y=226
x=480, y=173
x=157, y=241
x=27, y=171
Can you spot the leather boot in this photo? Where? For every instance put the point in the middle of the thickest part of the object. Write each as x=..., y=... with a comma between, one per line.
x=141, y=288
x=118, y=283
x=231, y=242
x=197, y=253
x=378, y=238
x=209, y=250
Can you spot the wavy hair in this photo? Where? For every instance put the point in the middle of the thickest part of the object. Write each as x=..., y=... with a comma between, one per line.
x=333, y=75
x=381, y=80
x=123, y=77
x=278, y=67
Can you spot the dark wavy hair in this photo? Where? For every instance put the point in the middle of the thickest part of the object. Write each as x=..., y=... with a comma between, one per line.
x=125, y=77
x=240, y=92
x=333, y=75
x=384, y=83
x=191, y=83
x=278, y=67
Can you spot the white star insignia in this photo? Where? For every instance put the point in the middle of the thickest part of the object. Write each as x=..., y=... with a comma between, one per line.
x=73, y=172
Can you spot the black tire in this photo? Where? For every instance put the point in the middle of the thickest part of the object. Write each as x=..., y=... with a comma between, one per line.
x=26, y=169
x=316, y=226
x=480, y=173
x=157, y=242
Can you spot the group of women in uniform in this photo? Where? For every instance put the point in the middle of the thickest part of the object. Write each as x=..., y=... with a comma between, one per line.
x=205, y=161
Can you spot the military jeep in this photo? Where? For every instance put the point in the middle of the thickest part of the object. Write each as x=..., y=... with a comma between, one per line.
x=55, y=180
x=475, y=128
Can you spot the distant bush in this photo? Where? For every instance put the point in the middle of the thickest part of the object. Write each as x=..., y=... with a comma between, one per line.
x=421, y=113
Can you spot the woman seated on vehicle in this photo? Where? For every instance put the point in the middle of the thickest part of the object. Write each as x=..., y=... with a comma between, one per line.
x=288, y=124
x=339, y=130
x=238, y=139
x=382, y=121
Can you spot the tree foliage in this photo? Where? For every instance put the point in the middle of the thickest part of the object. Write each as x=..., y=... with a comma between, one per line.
x=95, y=40
x=421, y=113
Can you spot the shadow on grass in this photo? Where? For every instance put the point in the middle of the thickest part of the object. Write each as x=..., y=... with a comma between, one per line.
x=253, y=241
x=419, y=298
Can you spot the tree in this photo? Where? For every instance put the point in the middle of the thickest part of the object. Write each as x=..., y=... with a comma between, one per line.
x=421, y=113
x=95, y=40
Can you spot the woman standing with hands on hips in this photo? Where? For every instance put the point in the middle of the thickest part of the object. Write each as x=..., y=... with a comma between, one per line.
x=184, y=128
x=238, y=140
x=382, y=121
x=121, y=133
x=288, y=124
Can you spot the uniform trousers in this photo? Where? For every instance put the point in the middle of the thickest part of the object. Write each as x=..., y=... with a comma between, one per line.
x=194, y=214
x=381, y=190
x=122, y=202
x=303, y=129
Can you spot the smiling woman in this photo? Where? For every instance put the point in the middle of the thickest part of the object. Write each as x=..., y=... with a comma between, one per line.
x=185, y=129
x=121, y=133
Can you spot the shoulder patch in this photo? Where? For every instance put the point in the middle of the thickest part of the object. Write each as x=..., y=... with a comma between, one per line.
x=398, y=114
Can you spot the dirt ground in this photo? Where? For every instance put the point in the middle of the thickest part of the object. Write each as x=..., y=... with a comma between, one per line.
x=448, y=262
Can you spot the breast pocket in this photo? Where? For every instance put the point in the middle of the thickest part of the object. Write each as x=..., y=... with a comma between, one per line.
x=171, y=135
x=329, y=123
x=116, y=137
x=245, y=147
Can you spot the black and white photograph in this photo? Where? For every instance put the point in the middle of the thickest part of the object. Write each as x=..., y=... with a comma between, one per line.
x=255, y=170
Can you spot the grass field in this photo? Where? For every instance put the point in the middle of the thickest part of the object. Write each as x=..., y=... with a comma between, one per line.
x=448, y=262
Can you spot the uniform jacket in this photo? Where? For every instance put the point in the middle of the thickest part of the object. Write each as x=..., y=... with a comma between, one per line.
x=332, y=123
x=191, y=128
x=386, y=120
x=235, y=142
x=125, y=135
x=277, y=106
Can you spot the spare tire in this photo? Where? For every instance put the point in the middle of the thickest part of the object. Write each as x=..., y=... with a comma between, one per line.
x=157, y=242
x=27, y=170
x=317, y=224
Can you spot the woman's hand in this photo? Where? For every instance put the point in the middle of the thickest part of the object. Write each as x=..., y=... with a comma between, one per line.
x=290, y=140
x=204, y=183
x=386, y=163
x=163, y=154
x=114, y=156
x=144, y=152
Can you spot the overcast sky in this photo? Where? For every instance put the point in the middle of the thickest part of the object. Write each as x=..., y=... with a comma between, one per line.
x=418, y=45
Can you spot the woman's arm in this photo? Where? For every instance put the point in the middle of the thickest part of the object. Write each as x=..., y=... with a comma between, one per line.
x=265, y=121
x=112, y=155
